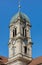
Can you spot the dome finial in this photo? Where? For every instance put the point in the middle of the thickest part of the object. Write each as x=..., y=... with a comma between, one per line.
x=19, y=6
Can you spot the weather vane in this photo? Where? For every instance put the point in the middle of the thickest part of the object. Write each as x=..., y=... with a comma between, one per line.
x=19, y=6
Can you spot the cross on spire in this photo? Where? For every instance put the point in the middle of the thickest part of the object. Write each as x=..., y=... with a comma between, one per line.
x=19, y=6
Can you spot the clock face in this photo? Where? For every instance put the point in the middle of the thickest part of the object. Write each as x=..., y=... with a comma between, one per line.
x=13, y=42
x=25, y=41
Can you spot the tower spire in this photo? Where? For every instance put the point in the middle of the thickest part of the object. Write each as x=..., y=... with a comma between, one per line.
x=19, y=6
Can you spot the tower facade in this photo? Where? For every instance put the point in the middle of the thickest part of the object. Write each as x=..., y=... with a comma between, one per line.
x=20, y=44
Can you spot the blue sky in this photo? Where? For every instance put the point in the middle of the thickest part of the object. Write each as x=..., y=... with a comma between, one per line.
x=33, y=9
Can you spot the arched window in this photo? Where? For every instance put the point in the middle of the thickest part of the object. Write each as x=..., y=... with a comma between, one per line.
x=13, y=33
x=24, y=32
x=25, y=49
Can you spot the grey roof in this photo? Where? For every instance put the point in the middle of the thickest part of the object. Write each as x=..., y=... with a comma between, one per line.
x=21, y=15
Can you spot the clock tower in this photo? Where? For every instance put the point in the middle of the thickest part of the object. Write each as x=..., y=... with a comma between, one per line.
x=20, y=44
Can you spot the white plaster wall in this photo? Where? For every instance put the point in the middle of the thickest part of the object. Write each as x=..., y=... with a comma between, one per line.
x=17, y=47
x=11, y=33
x=23, y=44
x=30, y=50
x=10, y=51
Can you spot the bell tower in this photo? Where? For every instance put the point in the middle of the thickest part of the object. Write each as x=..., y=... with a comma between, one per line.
x=20, y=43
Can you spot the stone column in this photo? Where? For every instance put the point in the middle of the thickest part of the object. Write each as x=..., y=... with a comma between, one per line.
x=18, y=27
